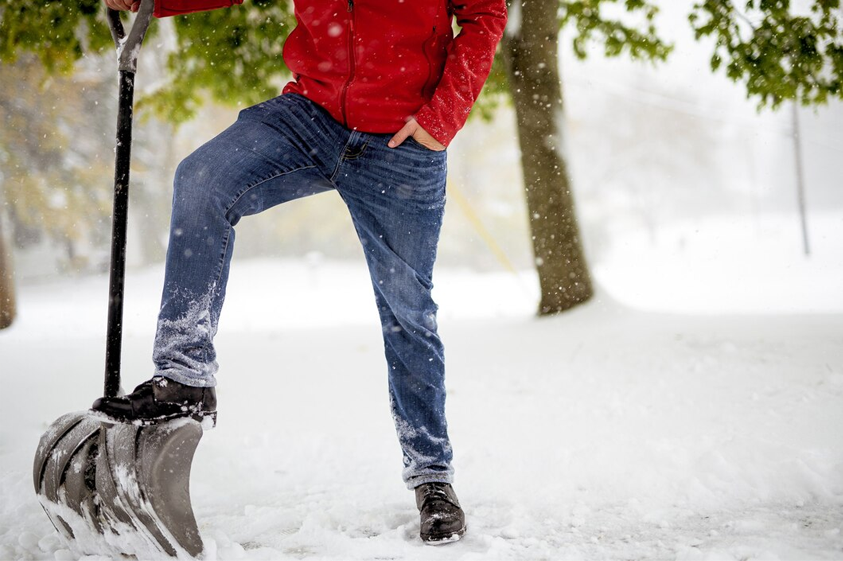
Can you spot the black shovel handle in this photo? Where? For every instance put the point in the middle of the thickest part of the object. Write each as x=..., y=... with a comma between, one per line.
x=128, y=48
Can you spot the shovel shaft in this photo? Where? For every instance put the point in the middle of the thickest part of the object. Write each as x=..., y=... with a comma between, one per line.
x=128, y=47
x=123, y=154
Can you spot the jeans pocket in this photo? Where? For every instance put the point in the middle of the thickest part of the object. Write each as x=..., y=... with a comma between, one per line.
x=416, y=144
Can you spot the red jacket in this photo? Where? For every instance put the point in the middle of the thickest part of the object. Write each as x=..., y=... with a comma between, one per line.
x=373, y=64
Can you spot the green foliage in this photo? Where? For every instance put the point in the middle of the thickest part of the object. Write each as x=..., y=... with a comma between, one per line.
x=58, y=33
x=591, y=25
x=778, y=53
x=590, y=21
x=54, y=181
x=234, y=55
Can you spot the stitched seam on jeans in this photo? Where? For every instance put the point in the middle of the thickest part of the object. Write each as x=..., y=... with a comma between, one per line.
x=261, y=182
x=224, y=251
x=340, y=160
x=357, y=154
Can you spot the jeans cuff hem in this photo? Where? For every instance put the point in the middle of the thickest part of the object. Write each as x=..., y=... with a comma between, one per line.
x=187, y=379
x=414, y=482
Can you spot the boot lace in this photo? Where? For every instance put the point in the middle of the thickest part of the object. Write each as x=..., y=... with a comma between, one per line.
x=436, y=491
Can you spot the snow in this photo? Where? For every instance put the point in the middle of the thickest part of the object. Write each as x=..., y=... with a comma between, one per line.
x=619, y=430
x=693, y=410
x=730, y=264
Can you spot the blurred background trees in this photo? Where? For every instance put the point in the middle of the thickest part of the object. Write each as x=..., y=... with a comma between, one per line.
x=57, y=91
x=55, y=180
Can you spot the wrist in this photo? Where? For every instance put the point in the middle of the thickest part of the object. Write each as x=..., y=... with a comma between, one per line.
x=427, y=120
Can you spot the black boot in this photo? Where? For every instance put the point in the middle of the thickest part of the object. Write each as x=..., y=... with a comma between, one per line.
x=158, y=400
x=442, y=518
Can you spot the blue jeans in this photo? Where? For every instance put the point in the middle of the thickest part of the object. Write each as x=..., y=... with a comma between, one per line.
x=285, y=149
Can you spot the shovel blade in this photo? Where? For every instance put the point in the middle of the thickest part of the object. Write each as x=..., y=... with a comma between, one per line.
x=120, y=489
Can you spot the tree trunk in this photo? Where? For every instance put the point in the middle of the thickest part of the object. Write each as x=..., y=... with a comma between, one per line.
x=7, y=286
x=531, y=56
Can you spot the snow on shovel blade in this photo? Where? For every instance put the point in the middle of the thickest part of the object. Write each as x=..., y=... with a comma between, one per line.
x=119, y=489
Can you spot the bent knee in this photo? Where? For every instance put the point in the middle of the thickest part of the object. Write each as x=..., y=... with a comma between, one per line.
x=199, y=186
x=193, y=174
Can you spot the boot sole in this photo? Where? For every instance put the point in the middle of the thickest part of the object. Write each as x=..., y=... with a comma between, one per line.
x=442, y=540
x=208, y=419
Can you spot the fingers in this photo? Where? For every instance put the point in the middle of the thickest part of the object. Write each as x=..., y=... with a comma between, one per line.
x=425, y=139
x=132, y=5
x=412, y=128
x=401, y=136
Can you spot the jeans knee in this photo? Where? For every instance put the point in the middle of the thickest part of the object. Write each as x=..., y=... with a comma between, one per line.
x=197, y=191
x=191, y=179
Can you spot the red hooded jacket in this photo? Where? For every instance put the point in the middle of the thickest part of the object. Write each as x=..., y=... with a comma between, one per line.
x=373, y=64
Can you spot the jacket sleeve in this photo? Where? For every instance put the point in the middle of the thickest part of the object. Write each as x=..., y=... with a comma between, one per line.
x=167, y=8
x=468, y=65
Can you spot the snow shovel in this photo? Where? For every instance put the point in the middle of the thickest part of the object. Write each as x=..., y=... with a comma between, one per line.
x=120, y=489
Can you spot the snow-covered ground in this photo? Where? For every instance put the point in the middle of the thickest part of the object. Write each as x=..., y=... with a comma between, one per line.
x=609, y=432
x=692, y=411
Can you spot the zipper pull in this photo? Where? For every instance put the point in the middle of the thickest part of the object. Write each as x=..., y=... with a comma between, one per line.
x=350, y=5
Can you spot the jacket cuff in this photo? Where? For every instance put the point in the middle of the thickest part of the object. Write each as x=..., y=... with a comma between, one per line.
x=435, y=125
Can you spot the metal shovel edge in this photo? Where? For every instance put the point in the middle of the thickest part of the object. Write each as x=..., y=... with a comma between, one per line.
x=120, y=489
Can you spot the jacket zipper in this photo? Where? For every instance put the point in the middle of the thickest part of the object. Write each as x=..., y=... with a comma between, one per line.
x=344, y=94
x=428, y=56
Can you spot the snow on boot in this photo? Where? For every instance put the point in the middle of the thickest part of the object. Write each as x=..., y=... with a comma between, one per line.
x=442, y=518
x=157, y=400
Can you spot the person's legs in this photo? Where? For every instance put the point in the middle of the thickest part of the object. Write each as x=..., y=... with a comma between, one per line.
x=279, y=150
x=396, y=198
x=275, y=152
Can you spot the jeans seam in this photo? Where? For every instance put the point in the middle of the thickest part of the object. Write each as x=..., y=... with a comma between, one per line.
x=358, y=154
x=222, y=256
x=231, y=206
x=261, y=182
x=340, y=160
